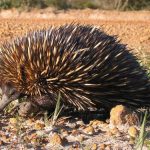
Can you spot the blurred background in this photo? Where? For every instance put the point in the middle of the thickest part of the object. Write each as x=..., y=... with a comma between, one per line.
x=128, y=19
x=123, y=5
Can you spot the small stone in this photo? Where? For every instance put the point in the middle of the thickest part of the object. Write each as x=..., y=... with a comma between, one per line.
x=75, y=132
x=33, y=136
x=40, y=133
x=114, y=131
x=76, y=144
x=105, y=125
x=13, y=120
x=5, y=139
x=102, y=147
x=29, y=122
x=108, y=121
x=117, y=115
x=80, y=138
x=26, y=139
x=94, y=146
x=109, y=133
x=33, y=141
x=133, y=132
x=56, y=139
x=39, y=126
x=1, y=142
x=80, y=123
x=64, y=133
x=96, y=123
x=72, y=125
x=89, y=130
x=108, y=147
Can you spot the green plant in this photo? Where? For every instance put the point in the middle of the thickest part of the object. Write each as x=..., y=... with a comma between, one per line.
x=57, y=110
x=78, y=4
x=142, y=134
x=59, y=4
x=5, y=4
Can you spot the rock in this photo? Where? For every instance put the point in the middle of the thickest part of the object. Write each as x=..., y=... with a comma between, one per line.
x=76, y=145
x=117, y=115
x=75, y=132
x=39, y=126
x=102, y=147
x=94, y=146
x=64, y=133
x=13, y=120
x=80, y=123
x=56, y=139
x=1, y=143
x=89, y=130
x=80, y=138
x=115, y=131
x=108, y=147
x=96, y=122
x=5, y=139
x=29, y=122
x=109, y=133
x=133, y=132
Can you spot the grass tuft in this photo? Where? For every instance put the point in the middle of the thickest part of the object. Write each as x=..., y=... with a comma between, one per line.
x=142, y=134
x=57, y=110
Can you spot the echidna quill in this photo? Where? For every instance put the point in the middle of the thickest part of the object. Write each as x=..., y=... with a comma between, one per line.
x=89, y=68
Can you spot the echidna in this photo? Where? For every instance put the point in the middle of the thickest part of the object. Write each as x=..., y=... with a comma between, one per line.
x=89, y=68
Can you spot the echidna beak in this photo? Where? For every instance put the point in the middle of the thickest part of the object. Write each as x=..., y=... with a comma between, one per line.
x=4, y=101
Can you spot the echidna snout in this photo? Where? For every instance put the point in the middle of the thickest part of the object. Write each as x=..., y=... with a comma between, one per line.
x=85, y=65
x=9, y=94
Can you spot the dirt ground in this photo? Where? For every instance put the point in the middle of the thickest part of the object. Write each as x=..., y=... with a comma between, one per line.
x=132, y=28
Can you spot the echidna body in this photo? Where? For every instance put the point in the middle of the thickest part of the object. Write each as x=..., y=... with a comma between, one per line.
x=88, y=67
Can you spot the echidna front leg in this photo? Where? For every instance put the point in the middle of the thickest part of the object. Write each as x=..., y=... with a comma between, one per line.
x=35, y=105
x=27, y=108
x=44, y=102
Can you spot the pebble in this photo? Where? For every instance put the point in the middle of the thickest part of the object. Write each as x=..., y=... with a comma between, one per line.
x=108, y=147
x=96, y=122
x=13, y=120
x=76, y=144
x=64, y=133
x=89, y=130
x=39, y=126
x=94, y=146
x=30, y=122
x=80, y=138
x=102, y=147
x=80, y=122
x=133, y=132
x=56, y=139
x=117, y=115
x=115, y=131
x=75, y=132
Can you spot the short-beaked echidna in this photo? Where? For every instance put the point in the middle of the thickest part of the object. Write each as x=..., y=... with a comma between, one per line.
x=86, y=66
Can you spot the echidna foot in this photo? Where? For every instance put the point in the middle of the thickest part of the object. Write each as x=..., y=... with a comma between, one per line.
x=27, y=108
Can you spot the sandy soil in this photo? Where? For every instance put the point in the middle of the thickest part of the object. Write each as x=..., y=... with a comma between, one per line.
x=132, y=28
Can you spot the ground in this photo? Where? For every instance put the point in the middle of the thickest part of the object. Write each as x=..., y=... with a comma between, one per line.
x=132, y=28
